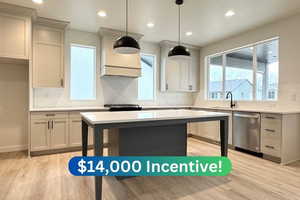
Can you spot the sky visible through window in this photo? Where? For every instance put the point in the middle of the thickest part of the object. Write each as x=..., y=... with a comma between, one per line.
x=83, y=73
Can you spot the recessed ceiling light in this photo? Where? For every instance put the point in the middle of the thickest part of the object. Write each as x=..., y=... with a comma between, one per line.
x=189, y=33
x=229, y=13
x=38, y=1
x=102, y=13
x=150, y=24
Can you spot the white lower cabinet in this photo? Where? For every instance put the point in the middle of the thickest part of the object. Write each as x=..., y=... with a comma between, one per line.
x=271, y=135
x=59, y=133
x=49, y=131
x=75, y=132
x=40, y=135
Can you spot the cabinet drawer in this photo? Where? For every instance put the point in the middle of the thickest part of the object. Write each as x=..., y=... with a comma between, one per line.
x=271, y=125
x=271, y=117
x=49, y=115
x=74, y=115
x=271, y=146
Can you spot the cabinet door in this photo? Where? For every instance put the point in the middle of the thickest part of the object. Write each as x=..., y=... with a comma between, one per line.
x=184, y=80
x=194, y=71
x=14, y=37
x=75, y=132
x=172, y=75
x=59, y=133
x=40, y=135
x=209, y=130
x=48, y=67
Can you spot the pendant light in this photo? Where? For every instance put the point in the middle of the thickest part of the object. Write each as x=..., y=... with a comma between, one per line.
x=126, y=44
x=179, y=51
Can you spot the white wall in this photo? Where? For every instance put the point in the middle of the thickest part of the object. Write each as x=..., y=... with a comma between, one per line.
x=109, y=89
x=14, y=100
x=289, y=69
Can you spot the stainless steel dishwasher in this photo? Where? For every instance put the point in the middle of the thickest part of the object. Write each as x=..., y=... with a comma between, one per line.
x=246, y=131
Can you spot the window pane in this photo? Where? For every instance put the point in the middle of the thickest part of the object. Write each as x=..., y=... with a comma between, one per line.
x=83, y=73
x=239, y=74
x=146, y=81
x=267, y=68
x=215, y=78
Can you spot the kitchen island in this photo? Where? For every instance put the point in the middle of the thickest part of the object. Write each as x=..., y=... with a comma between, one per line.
x=167, y=128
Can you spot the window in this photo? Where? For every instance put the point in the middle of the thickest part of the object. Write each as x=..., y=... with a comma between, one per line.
x=250, y=73
x=146, y=81
x=83, y=72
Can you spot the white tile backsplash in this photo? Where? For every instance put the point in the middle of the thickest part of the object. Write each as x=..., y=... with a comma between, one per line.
x=110, y=89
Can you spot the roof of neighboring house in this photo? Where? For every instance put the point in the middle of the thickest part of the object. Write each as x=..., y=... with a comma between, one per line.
x=231, y=85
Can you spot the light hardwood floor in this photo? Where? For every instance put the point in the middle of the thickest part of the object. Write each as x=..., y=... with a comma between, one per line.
x=47, y=177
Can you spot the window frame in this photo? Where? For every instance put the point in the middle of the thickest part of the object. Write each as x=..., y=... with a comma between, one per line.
x=154, y=80
x=223, y=54
x=95, y=72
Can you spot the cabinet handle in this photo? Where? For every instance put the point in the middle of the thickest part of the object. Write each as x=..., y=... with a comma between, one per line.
x=270, y=130
x=269, y=147
x=52, y=124
x=50, y=115
x=39, y=122
x=167, y=86
x=190, y=87
x=62, y=82
x=48, y=125
x=270, y=117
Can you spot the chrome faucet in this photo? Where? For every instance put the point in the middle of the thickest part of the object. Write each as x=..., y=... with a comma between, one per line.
x=232, y=104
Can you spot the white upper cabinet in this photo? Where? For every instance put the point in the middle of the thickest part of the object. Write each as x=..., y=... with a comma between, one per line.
x=179, y=76
x=15, y=32
x=114, y=64
x=48, y=53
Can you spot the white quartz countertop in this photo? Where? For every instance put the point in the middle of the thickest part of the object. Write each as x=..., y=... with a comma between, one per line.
x=258, y=110
x=156, y=107
x=67, y=109
x=150, y=115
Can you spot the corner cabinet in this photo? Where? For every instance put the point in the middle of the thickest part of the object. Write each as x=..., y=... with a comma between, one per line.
x=179, y=75
x=48, y=53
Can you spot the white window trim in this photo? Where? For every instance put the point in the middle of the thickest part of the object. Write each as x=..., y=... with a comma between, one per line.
x=154, y=81
x=95, y=73
x=223, y=54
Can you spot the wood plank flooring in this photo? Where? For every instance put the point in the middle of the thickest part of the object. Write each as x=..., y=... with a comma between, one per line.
x=47, y=178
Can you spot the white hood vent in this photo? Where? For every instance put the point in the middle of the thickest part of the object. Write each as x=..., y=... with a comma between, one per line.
x=114, y=64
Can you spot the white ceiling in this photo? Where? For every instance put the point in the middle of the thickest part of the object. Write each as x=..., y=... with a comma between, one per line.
x=205, y=18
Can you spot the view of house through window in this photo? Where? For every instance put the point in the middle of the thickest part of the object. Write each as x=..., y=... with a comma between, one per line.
x=249, y=73
x=146, y=81
x=83, y=73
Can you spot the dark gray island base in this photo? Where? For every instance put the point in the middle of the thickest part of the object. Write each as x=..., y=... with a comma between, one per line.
x=147, y=138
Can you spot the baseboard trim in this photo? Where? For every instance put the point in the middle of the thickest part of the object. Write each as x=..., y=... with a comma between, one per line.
x=7, y=149
x=208, y=140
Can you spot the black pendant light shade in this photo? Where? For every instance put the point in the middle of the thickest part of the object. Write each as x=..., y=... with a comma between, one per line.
x=126, y=44
x=179, y=51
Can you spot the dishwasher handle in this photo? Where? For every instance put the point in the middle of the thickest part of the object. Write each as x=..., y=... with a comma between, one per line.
x=256, y=116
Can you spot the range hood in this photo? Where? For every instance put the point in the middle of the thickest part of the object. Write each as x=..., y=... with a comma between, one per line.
x=114, y=64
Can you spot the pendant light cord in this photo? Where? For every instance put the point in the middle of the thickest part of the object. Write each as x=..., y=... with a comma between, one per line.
x=126, y=17
x=179, y=33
